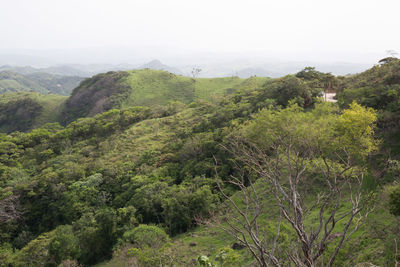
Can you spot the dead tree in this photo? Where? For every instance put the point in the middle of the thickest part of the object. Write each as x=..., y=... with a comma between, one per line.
x=307, y=165
x=9, y=209
x=285, y=169
x=195, y=72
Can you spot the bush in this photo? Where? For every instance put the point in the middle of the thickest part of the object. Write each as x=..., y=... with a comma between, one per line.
x=64, y=246
x=97, y=235
x=146, y=236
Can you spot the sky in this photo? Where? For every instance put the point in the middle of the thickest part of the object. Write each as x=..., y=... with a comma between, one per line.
x=322, y=30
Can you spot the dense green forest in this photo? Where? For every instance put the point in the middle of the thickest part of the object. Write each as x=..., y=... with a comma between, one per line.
x=149, y=168
x=23, y=111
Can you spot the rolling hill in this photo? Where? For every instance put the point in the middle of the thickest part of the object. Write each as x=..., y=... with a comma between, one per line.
x=28, y=95
x=147, y=88
x=38, y=82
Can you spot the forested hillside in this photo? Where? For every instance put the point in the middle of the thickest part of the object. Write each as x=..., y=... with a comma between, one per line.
x=379, y=88
x=149, y=168
x=37, y=82
x=24, y=111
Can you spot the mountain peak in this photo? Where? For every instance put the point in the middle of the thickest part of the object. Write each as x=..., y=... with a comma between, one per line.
x=156, y=64
x=155, y=61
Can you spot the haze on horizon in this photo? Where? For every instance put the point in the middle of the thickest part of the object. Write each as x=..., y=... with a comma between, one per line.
x=180, y=31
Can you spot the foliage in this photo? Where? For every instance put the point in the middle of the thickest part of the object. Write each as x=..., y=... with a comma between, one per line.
x=19, y=115
x=96, y=234
x=146, y=236
x=225, y=257
x=35, y=253
x=355, y=130
x=25, y=111
x=65, y=245
x=394, y=201
x=149, y=244
x=378, y=88
x=293, y=88
x=78, y=192
x=289, y=150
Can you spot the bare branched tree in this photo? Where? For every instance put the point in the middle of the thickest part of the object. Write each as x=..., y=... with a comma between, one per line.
x=195, y=72
x=308, y=187
x=392, y=53
x=9, y=209
x=246, y=227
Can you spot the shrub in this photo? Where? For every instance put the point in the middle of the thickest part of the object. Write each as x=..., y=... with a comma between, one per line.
x=146, y=236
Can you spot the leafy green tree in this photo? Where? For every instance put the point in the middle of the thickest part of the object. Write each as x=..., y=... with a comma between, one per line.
x=183, y=204
x=148, y=201
x=291, y=88
x=176, y=211
x=6, y=254
x=35, y=253
x=97, y=235
x=64, y=245
x=146, y=236
x=394, y=201
x=227, y=257
x=84, y=195
x=149, y=245
x=309, y=73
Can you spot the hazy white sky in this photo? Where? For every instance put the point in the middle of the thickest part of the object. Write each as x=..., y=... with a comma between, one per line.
x=303, y=29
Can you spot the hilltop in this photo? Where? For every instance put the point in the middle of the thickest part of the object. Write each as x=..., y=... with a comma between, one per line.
x=157, y=65
x=103, y=92
x=147, y=88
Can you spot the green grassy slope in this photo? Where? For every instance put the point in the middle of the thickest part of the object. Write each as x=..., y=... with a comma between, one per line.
x=209, y=88
x=109, y=90
x=152, y=87
x=147, y=88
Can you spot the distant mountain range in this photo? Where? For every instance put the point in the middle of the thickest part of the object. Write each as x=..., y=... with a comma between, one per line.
x=89, y=70
x=62, y=79
x=210, y=67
